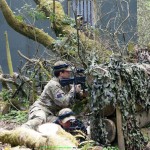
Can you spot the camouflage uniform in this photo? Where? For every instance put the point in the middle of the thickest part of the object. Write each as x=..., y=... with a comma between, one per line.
x=53, y=98
x=76, y=127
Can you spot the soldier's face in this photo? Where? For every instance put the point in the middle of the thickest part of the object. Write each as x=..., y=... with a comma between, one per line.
x=66, y=124
x=65, y=74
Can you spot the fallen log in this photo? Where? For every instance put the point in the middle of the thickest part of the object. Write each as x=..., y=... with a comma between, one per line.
x=55, y=138
x=108, y=110
x=143, y=118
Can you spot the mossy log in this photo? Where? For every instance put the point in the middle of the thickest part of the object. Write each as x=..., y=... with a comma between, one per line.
x=23, y=28
x=56, y=138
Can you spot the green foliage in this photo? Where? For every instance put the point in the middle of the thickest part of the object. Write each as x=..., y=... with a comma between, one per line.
x=28, y=10
x=67, y=45
x=19, y=17
x=69, y=21
x=86, y=145
x=125, y=85
x=110, y=148
x=5, y=94
x=52, y=17
x=15, y=116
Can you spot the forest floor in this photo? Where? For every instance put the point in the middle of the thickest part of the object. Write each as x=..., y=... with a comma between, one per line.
x=9, y=125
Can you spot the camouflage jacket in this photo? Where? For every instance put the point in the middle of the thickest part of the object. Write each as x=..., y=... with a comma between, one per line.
x=54, y=97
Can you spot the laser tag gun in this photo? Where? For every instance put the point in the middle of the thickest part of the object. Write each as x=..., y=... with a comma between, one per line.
x=75, y=80
x=77, y=129
x=78, y=78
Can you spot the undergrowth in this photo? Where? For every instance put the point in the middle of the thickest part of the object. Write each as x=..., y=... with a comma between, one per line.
x=15, y=116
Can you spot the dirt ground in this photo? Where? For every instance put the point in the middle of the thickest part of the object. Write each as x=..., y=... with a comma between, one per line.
x=8, y=125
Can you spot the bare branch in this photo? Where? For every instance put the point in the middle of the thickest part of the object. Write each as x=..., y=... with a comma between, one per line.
x=37, y=62
x=30, y=60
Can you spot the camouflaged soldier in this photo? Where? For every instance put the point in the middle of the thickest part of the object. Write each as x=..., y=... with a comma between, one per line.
x=67, y=120
x=53, y=98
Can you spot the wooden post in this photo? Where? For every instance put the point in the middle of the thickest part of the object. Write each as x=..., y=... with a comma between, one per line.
x=9, y=61
x=120, y=136
x=54, y=14
x=69, y=5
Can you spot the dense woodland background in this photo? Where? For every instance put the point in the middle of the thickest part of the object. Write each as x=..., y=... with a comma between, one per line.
x=114, y=50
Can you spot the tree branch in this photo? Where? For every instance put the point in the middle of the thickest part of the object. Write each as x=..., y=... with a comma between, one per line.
x=25, y=29
x=60, y=27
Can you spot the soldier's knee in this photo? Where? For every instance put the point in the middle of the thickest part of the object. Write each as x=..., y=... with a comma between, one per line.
x=33, y=123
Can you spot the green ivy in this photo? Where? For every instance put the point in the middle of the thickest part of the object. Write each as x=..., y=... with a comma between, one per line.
x=28, y=10
x=125, y=85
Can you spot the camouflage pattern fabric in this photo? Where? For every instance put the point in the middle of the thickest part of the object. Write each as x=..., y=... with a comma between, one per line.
x=53, y=98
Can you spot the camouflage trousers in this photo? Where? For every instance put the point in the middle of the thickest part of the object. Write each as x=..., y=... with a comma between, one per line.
x=37, y=116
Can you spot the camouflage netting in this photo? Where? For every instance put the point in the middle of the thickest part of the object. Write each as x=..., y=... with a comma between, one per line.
x=124, y=85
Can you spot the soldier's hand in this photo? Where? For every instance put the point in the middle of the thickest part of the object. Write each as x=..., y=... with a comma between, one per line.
x=85, y=93
x=76, y=88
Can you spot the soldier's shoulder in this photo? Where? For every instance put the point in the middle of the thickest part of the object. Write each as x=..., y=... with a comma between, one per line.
x=53, y=82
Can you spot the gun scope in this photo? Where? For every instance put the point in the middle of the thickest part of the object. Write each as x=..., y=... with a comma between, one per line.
x=80, y=70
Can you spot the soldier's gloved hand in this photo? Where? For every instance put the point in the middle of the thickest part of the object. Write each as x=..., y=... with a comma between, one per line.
x=76, y=88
